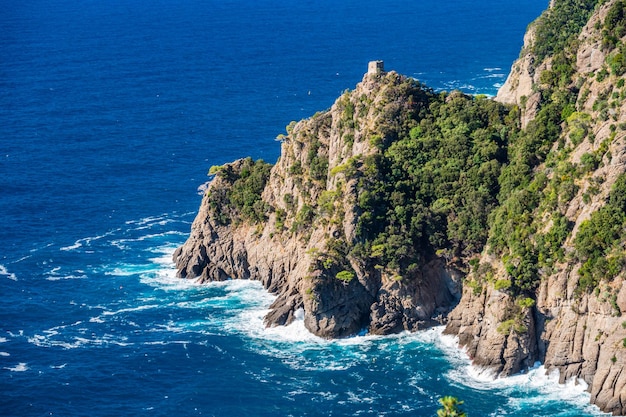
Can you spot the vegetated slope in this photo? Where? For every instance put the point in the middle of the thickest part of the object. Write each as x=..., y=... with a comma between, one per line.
x=367, y=218
x=550, y=284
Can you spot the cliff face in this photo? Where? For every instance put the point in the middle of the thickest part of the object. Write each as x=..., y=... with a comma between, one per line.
x=571, y=317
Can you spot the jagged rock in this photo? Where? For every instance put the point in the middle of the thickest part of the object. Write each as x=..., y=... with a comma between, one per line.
x=520, y=85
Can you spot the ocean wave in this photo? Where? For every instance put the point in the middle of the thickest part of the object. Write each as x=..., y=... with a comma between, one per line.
x=121, y=243
x=5, y=272
x=132, y=309
x=54, y=275
x=20, y=367
x=160, y=220
x=150, y=219
x=75, y=342
x=86, y=241
x=64, y=277
x=485, y=77
x=76, y=245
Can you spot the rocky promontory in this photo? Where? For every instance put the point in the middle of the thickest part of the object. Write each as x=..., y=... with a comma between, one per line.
x=400, y=207
x=309, y=227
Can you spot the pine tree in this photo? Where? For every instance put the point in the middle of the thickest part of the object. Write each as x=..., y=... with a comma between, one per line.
x=451, y=407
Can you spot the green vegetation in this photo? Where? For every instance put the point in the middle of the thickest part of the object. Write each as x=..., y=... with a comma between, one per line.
x=599, y=240
x=451, y=407
x=614, y=25
x=215, y=169
x=433, y=187
x=345, y=276
x=502, y=284
x=538, y=182
x=559, y=25
x=241, y=201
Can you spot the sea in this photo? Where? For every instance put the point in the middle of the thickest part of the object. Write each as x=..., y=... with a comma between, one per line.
x=112, y=112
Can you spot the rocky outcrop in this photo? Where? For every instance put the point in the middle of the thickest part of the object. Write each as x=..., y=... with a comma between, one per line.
x=520, y=86
x=570, y=328
x=301, y=248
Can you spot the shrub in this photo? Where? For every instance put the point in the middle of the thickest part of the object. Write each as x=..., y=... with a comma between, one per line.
x=345, y=276
x=525, y=302
x=502, y=284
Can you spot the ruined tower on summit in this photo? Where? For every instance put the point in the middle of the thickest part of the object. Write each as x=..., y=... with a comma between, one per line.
x=375, y=68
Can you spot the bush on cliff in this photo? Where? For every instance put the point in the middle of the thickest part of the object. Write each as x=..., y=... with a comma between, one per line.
x=241, y=200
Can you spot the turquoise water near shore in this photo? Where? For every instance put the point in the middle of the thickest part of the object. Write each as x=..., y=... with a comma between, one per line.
x=111, y=114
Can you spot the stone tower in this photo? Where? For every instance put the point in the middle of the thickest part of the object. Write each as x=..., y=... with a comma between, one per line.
x=375, y=67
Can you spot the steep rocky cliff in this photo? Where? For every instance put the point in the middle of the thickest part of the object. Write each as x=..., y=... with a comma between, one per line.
x=559, y=296
x=400, y=208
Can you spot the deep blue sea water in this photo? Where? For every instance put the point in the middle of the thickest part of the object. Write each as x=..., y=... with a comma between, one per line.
x=111, y=113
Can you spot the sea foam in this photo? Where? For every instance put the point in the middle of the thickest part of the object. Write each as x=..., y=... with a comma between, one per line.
x=20, y=367
x=10, y=275
x=537, y=383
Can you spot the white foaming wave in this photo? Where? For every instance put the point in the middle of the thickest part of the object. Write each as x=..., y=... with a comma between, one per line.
x=159, y=220
x=86, y=241
x=3, y=340
x=20, y=367
x=160, y=268
x=251, y=322
x=54, y=275
x=78, y=341
x=151, y=220
x=76, y=245
x=121, y=243
x=249, y=292
x=165, y=253
x=5, y=354
x=61, y=278
x=132, y=309
x=484, y=77
x=168, y=342
x=298, y=348
x=10, y=275
x=127, y=270
x=544, y=386
x=164, y=278
x=23, y=258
